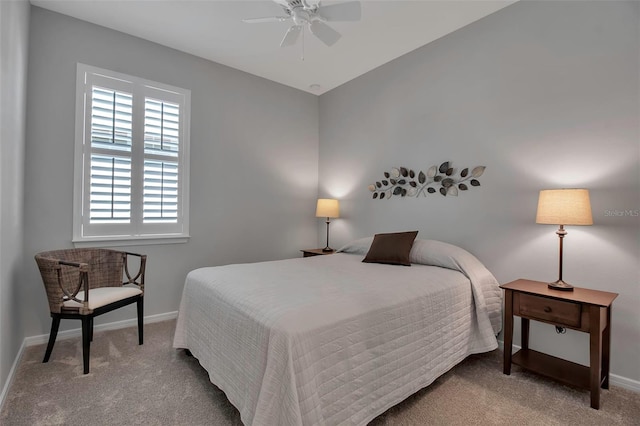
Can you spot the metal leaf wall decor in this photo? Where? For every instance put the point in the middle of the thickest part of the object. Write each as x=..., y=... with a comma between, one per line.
x=404, y=182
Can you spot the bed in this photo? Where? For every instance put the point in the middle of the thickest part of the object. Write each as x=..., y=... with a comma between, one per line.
x=331, y=340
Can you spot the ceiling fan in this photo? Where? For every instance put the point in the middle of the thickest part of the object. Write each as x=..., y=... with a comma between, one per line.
x=314, y=16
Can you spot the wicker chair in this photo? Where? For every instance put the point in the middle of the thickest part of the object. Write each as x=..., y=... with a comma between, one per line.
x=84, y=283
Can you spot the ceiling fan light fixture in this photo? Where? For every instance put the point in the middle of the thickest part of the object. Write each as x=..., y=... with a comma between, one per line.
x=300, y=16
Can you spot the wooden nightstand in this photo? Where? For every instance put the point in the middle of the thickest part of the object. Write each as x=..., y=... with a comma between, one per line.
x=315, y=252
x=581, y=309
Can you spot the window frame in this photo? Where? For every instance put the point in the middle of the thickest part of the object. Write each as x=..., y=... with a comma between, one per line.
x=136, y=232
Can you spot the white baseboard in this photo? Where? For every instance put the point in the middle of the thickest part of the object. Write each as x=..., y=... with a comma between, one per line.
x=12, y=374
x=624, y=382
x=77, y=332
x=614, y=379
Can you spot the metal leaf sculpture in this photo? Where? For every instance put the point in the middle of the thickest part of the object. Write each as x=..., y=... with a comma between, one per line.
x=404, y=182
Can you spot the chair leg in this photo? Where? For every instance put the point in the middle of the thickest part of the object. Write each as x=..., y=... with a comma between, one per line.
x=91, y=329
x=140, y=304
x=55, y=323
x=86, y=342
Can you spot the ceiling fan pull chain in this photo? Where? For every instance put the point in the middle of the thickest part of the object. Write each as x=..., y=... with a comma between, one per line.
x=302, y=57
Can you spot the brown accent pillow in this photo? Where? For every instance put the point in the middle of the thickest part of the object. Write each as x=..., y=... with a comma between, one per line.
x=392, y=249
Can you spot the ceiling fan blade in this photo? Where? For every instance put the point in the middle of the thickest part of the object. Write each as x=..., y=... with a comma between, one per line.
x=266, y=19
x=291, y=37
x=325, y=33
x=283, y=3
x=347, y=11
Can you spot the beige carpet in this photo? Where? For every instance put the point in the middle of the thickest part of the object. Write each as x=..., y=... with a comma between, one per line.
x=154, y=384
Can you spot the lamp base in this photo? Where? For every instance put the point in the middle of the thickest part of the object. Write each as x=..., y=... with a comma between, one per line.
x=327, y=249
x=560, y=285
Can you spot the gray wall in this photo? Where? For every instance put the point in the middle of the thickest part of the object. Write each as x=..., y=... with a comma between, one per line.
x=546, y=95
x=254, y=160
x=543, y=94
x=14, y=32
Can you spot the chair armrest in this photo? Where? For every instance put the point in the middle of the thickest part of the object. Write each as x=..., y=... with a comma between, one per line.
x=138, y=279
x=83, y=281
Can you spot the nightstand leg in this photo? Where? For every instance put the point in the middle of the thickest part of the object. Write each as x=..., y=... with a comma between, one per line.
x=595, y=355
x=606, y=350
x=508, y=331
x=524, y=333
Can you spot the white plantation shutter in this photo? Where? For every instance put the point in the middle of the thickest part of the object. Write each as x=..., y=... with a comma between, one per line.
x=111, y=133
x=111, y=119
x=160, y=192
x=161, y=128
x=110, y=189
x=161, y=147
x=131, y=158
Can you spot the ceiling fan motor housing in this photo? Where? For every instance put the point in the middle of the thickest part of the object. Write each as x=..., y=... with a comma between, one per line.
x=300, y=16
x=313, y=16
x=292, y=4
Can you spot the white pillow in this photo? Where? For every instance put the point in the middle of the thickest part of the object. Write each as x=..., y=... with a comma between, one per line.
x=436, y=253
x=360, y=246
x=423, y=252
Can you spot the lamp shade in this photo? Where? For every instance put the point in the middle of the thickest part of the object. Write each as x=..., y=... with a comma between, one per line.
x=564, y=207
x=327, y=208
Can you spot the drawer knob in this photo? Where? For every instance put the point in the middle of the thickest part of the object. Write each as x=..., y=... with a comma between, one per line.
x=547, y=309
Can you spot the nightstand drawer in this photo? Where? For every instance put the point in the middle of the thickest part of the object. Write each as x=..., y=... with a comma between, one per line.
x=550, y=310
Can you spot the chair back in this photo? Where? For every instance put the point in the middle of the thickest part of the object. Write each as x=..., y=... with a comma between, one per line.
x=103, y=267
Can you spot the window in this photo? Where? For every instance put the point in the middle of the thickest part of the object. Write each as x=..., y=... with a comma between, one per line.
x=132, y=160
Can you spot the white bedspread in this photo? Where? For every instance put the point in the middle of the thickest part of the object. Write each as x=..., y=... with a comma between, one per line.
x=330, y=340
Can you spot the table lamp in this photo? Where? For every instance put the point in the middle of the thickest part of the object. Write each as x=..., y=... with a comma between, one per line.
x=327, y=208
x=563, y=207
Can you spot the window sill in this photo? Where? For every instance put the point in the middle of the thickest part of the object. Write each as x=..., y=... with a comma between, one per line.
x=119, y=241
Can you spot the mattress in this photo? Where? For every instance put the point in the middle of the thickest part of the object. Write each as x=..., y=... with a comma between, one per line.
x=330, y=340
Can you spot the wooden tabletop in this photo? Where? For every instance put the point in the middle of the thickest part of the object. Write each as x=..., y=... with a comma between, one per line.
x=582, y=295
x=317, y=251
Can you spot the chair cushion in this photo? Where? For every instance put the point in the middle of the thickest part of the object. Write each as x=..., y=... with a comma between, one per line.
x=102, y=296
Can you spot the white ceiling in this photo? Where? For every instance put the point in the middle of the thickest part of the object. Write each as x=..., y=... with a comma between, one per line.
x=212, y=29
